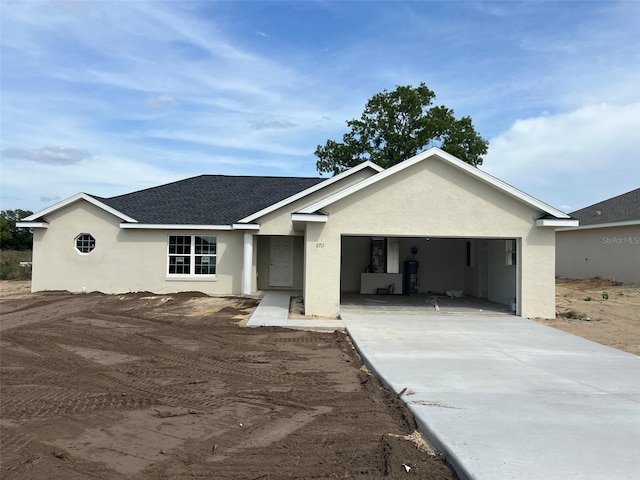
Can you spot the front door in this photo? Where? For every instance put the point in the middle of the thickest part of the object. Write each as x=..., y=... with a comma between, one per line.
x=281, y=262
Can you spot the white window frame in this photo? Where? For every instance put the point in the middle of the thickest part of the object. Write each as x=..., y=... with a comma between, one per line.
x=192, y=258
x=511, y=252
x=75, y=243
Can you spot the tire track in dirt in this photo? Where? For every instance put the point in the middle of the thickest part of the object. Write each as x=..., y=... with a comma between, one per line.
x=115, y=379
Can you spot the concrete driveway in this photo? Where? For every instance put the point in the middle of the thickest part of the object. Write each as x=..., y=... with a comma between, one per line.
x=506, y=398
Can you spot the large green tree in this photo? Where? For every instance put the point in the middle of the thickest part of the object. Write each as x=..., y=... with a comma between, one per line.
x=397, y=125
x=12, y=237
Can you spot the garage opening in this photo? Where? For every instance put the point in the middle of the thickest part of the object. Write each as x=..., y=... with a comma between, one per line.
x=442, y=273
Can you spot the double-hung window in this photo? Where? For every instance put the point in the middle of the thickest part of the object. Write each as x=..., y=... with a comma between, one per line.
x=192, y=255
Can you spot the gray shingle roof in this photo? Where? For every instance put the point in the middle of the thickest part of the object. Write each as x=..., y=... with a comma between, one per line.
x=623, y=208
x=207, y=199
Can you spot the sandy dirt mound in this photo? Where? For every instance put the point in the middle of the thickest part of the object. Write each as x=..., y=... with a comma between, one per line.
x=146, y=386
x=12, y=287
x=599, y=310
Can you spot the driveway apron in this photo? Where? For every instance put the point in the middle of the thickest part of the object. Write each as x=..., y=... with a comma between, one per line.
x=506, y=398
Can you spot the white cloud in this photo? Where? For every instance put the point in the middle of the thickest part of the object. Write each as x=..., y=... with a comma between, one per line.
x=50, y=155
x=271, y=124
x=587, y=154
x=33, y=185
x=161, y=101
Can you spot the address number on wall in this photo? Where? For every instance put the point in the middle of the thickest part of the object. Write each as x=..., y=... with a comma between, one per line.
x=319, y=245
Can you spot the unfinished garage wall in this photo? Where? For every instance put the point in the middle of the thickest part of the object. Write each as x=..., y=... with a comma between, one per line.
x=441, y=262
x=354, y=259
x=502, y=277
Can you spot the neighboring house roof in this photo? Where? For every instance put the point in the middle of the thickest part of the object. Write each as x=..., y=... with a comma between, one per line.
x=624, y=208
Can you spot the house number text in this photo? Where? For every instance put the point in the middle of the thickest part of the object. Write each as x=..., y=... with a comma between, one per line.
x=319, y=245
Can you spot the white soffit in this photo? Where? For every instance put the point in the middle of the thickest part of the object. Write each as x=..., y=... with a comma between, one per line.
x=309, y=217
x=32, y=225
x=311, y=190
x=75, y=198
x=554, y=222
x=245, y=226
x=456, y=162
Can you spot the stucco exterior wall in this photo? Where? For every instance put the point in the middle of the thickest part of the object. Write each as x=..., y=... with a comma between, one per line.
x=612, y=253
x=430, y=198
x=123, y=260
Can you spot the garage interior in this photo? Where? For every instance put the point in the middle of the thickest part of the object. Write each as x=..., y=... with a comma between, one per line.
x=442, y=274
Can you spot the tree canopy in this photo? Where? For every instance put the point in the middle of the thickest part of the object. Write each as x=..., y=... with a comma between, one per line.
x=12, y=237
x=396, y=126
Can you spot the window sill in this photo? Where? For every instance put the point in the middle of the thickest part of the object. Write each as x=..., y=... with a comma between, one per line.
x=191, y=278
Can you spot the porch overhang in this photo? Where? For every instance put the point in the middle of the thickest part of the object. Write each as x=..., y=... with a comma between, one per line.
x=557, y=222
x=299, y=220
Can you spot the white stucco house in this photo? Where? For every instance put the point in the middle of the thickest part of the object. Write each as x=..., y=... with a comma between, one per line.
x=606, y=244
x=431, y=223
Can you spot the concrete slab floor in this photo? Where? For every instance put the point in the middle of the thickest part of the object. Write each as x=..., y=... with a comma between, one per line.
x=421, y=304
x=506, y=398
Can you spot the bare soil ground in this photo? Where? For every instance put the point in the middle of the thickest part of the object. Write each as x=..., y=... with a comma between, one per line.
x=599, y=310
x=144, y=386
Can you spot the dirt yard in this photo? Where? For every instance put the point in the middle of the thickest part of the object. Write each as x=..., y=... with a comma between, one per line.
x=143, y=386
x=601, y=311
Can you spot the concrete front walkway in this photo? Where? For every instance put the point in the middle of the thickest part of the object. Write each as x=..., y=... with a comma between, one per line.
x=273, y=311
x=506, y=398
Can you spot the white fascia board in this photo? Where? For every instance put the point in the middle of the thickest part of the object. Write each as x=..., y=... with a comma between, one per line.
x=75, y=198
x=32, y=225
x=601, y=225
x=158, y=226
x=310, y=190
x=309, y=217
x=245, y=226
x=557, y=222
x=456, y=162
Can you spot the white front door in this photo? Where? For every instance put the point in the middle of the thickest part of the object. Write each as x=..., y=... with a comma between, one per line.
x=281, y=262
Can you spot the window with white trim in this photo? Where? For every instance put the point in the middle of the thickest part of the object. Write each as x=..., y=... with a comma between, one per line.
x=85, y=243
x=511, y=252
x=192, y=255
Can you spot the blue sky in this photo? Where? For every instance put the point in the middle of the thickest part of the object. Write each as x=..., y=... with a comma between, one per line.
x=108, y=97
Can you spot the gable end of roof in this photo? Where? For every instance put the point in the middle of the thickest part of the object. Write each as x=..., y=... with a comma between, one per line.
x=310, y=190
x=452, y=160
x=77, y=197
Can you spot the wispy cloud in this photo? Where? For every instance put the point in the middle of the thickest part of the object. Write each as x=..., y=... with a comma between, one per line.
x=572, y=156
x=162, y=101
x=50, y=155
x=271, y=124
x=170, y=89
